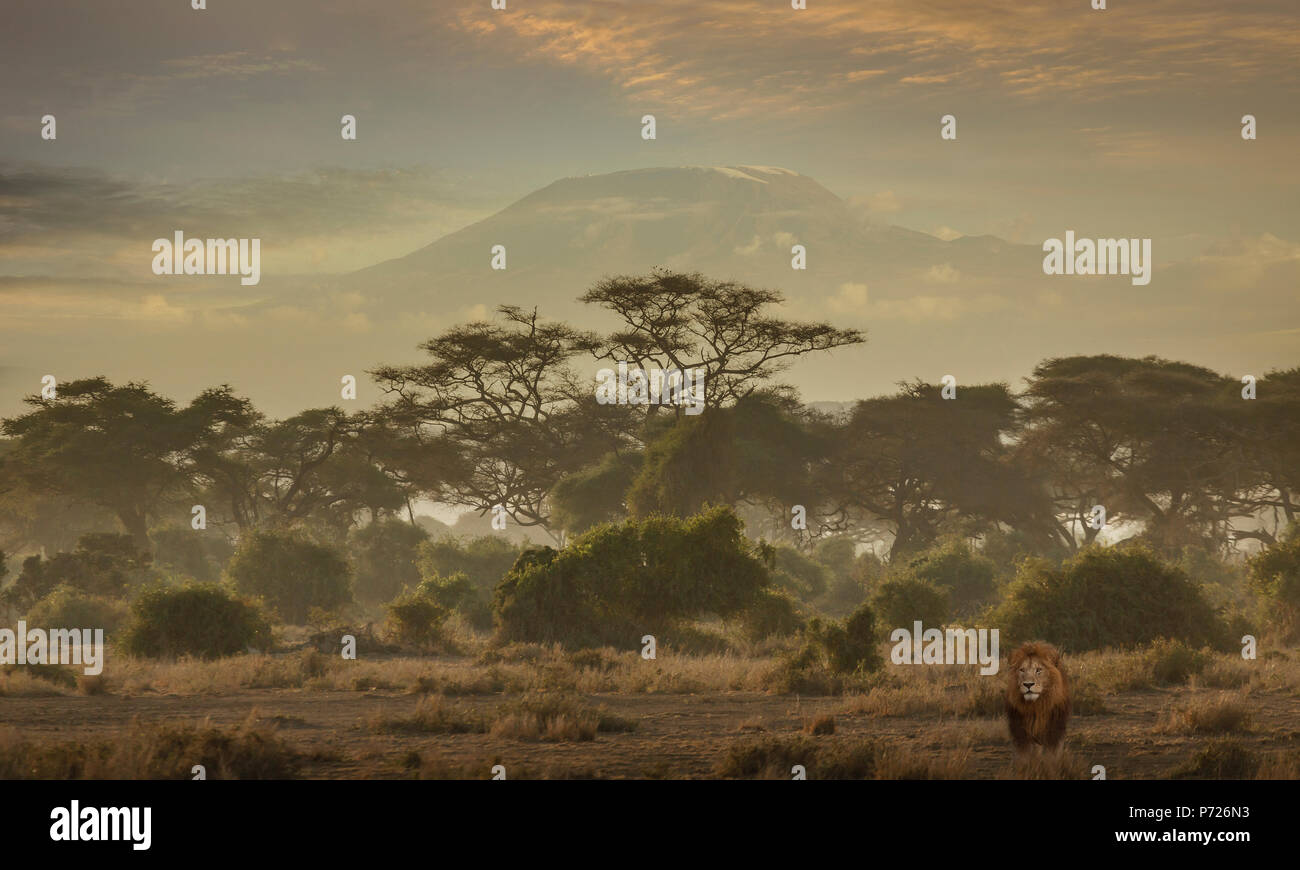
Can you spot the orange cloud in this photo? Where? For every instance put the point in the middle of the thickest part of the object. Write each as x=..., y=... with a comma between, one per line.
x=735, y=58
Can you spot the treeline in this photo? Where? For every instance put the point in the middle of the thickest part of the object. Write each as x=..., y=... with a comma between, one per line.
x=952, y=491
x=498, y=415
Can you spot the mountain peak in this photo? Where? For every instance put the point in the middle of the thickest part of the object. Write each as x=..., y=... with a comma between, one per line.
x=742, y=186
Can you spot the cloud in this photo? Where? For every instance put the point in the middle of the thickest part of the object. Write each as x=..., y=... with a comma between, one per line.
x=854, y=299
x=77, y=222
x=735, y=58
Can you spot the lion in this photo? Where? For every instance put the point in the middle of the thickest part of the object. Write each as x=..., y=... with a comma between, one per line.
x=1037, y=699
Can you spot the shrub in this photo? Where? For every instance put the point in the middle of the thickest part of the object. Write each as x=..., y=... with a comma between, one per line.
x=900, y=601
x=462, y=573
x=291, y=573
x=69, y=607
x=595, y=494
x=385, y=555
x=416, y=620
x=616, y=583
x=102, y=564
x=1222, y=581
x=840, y=648
x=799, y=574
x=851, y=576
x=773, y=613
x=198, y=555
x=1275, y=579
x=1173, y=662
x=459, y=594
x=964, y=574
x=1104, y=597
x=197, y=619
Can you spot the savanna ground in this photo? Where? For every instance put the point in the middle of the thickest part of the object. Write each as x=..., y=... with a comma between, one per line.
x=1159, y=712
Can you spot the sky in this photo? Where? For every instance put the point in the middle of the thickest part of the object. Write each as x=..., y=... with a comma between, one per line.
x=1122, y=122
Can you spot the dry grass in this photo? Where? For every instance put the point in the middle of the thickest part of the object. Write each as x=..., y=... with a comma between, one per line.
x=940, y=690
x=433, y=714
x=819, y=725
x=894, y=691
x=534, y=717
x=154, y=751
x=550, y=669
x=1224, y=714
x=909, y=761
x=1220, y=759
x=555, y=718
x=1049, y=765
x=1111, y=672
x=24, y=683
x=777, y=757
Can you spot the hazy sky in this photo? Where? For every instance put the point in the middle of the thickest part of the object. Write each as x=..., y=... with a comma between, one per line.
x=1123, y=122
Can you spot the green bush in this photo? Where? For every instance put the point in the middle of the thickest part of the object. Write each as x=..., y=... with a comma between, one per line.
x=1222, y=581
x=773, y=614
x=1275, y=579
x=385, y=555
x=415, y=619
x=801, y=575
x=1106, y=597
x=197, y=619
x=1173, y=662
x=458, y=594
x=615, y=583
x=200, y=555
x=103, y=564
x=839, y=648
x=964, y=574
x=852, y=577
x=69, y=607
x=595, y=494
x=463, y=573
x=292, y=574
x=900, y=601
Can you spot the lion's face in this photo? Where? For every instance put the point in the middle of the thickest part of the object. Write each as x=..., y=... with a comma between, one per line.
x=1035, y=678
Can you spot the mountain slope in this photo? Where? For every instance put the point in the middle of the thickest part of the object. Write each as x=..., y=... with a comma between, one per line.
x=737, y=222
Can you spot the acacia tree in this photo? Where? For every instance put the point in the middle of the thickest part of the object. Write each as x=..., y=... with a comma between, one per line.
x=759, y=451
x=320, y=466
x=1148, y=439
x=915, y=462
x=124, y=448
x=504, y=400
x=1267, y=431
x=681, y=321
x=752, y=444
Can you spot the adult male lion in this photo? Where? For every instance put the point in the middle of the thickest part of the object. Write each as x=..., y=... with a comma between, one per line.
x=1038, y=698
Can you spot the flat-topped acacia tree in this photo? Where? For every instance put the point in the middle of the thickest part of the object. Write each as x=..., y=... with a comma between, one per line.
x=502, y=399
x=124, y=448
x=683, y=320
